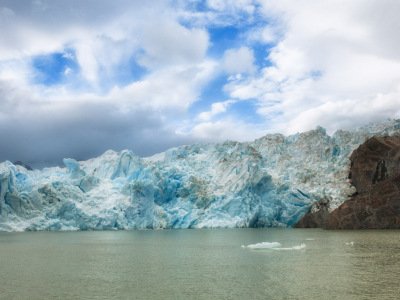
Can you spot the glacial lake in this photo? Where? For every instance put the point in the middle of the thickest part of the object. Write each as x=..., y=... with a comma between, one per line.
x=200, y=264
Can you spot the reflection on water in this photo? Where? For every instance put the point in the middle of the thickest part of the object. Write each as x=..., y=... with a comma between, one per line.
x=200, y=264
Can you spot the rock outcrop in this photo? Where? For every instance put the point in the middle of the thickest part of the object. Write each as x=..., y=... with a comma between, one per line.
x=316, y=217
x=375, y=173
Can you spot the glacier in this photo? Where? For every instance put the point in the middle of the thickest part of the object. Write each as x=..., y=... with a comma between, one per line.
x=270, y=182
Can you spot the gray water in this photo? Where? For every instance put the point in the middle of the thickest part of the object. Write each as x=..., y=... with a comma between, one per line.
x=200, y=264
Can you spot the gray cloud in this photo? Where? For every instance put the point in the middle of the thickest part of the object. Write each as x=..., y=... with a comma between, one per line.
x=82, y=131
x=41, y=123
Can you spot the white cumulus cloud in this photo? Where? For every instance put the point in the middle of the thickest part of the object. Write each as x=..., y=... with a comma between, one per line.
x=216, y=109
x=334, y=65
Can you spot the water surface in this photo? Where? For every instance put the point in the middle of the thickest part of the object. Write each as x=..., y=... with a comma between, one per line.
x=200, y=264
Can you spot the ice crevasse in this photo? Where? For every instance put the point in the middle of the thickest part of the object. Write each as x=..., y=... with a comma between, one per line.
x=272, y=181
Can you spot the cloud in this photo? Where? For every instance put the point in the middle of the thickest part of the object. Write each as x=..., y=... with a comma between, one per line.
x=38, y=131
x=132, y=75
x=216, y=109
x=174, y=88
x=225, y=129
x=219, y=13
x=169, y=43
x=332, y=66
x=239, y=60
x=102, y=35
x=265, y=35
x=40, y=121
x=247, y=6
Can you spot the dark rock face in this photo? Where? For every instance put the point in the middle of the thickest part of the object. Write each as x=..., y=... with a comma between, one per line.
x=316, y=217
x=375, y=173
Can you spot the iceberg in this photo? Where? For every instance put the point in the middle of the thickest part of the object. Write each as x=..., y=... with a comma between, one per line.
x=274, y=246
x=263, y=245
x=270, y=182
x=302, y=246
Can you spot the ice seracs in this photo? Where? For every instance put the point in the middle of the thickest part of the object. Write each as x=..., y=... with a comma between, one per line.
x=272, y=181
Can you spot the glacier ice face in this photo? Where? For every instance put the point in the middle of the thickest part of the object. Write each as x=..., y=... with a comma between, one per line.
x=272, y=181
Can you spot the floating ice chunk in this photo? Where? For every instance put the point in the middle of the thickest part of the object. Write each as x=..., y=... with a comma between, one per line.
x=350, y=243
x=273, y=246
x=297, y=247
x=310, y=239
x=263, y=245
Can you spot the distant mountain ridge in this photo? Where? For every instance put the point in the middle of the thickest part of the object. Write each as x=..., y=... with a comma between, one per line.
x=272, y=181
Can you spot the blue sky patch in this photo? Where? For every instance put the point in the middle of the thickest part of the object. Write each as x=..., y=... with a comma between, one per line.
x=246, y=111
x=261, y=52
x=54, y=68
x=211, y=93
x=223, y=38
x=123, y=74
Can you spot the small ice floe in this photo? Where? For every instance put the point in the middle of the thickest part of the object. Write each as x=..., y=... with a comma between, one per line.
x=263, y=245
x=350, y=243
x=310, y=239
x=273, y=246
x=297, y=247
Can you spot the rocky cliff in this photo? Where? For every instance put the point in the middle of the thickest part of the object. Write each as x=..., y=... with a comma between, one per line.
x=375, y=173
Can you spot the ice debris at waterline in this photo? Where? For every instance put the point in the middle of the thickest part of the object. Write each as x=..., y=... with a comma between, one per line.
x=273, y=246
x=272, y=181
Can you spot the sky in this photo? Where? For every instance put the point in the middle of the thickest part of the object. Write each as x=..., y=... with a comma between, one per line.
x=80, y=77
